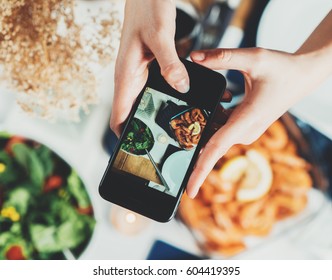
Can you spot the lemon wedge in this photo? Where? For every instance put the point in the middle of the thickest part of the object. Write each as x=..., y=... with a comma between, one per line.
x=257, y=179
x=251, y=174
x=195, y=128
x=232, y=171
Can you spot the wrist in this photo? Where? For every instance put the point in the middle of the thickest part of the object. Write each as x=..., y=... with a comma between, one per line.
x=317, y=49
x=317, y=62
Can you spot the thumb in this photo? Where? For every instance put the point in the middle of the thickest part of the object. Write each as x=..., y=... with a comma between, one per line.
x=172, y=69
x=243, y=127
x=235, y=59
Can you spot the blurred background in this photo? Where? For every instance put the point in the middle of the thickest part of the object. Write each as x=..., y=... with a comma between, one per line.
x=52, y=157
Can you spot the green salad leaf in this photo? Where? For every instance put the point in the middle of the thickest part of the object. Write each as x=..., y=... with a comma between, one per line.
x=45, y=156
x=71, y=229
x=76, y=188
x=19, y=198
x=138, y=138
x=8, y=174
x=4, y=134
x=35, y=223
x=28, y=159
x=44, y=238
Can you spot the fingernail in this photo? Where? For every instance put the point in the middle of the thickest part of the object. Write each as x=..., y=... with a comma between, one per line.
x=199, y=56
x=182, y=86
x=192, y=194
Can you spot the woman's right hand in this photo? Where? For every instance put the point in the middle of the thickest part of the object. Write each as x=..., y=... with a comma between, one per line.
x=148, y=33
x=274, y=82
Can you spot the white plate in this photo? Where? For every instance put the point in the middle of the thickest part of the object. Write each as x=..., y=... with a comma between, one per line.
x=174, y=169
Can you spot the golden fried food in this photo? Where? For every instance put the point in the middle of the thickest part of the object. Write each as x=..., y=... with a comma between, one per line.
x=176, y=123
x=188, y=128
x=228, y=251
x=188, y=118
x=257, y=218
x=276, y=137
x=197, y=115
x=193, y=213
x=223, y=220
x=289, y=160
x=288, y=205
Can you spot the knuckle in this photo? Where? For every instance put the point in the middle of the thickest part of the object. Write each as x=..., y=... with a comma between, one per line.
x=168, y=68
x=261, y=60
x=161, y=30
x=158, y=35
x=215, y=147
x=259, y=52
x=224, y=55
x=173, y=71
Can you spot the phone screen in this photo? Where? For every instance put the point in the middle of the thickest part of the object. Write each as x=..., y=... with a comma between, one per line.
x=157, y=150
x=160, y=141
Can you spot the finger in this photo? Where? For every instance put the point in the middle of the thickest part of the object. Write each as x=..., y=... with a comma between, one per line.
x=235, y=59
x=172, y=69
x=123, y=103
x=244, y=126
x=130, y=76
x=211, y=153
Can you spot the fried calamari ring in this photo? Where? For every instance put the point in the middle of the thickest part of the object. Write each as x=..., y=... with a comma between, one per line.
x=187, y=118
x=176, y=123
x=275, y=137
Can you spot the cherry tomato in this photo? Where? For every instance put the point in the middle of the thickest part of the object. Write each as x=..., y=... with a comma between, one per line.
x=12, y=141
x=85, y=211
x=15, y=253
x=52, y=183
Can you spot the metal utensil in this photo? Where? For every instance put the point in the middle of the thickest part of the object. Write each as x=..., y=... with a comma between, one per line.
x=68, y=254
x=213, y=25
x=161, y=177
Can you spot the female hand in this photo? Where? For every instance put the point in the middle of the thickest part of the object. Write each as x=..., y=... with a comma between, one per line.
x=274, y=81
x=148, y=33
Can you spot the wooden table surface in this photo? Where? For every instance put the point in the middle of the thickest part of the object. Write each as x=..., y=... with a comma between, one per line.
x=136, y=165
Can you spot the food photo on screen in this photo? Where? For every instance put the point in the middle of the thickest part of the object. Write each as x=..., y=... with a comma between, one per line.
x=160, y=141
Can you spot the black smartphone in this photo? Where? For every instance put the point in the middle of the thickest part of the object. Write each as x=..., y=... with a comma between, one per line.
x=154, y=157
